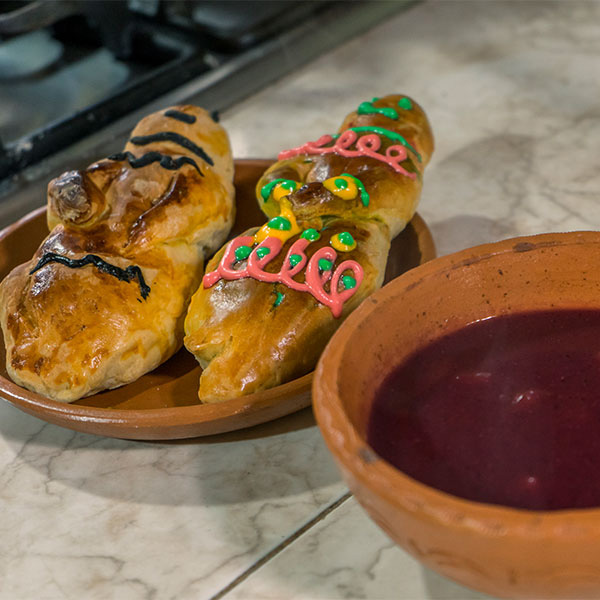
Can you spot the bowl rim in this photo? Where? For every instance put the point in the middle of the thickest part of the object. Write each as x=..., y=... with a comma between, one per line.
x=364, y=465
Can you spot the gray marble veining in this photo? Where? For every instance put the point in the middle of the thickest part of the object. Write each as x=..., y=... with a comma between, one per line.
x=512, y=92
x=83, y=516
x=346, y=556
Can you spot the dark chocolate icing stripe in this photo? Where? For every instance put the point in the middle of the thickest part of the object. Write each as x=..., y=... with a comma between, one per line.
x=180, y=116
x=214, y=115
x=167, y=162
x=176, y=138
x=131, y=272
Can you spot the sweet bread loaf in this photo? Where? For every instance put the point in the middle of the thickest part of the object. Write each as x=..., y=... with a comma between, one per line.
x=103, y=299
x=271, y=298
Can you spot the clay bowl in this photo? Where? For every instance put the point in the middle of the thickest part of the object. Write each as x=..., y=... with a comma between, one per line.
x=502, y=551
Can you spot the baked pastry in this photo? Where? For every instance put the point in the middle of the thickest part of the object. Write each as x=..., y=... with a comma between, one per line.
x=272, y=298
x=104, y=298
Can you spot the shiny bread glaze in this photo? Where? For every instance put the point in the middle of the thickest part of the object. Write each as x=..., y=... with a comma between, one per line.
x=71, y=332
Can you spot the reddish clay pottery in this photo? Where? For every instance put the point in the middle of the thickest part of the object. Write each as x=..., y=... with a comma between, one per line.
x=164, y=404
x=503, y=551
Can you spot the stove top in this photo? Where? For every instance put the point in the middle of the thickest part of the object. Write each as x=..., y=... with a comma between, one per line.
x=69, y=67
x=76, y=75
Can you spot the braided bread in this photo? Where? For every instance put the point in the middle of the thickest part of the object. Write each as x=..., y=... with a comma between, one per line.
x=272, y=298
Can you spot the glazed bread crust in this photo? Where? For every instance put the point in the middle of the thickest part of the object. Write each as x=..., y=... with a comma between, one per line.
x=148, y=216
x=249, y=334
x=393, y=195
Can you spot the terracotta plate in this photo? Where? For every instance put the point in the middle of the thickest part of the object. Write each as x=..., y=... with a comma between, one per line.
x=164, y=404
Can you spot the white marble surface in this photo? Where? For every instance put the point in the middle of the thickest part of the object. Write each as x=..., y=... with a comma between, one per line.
x=89, y=517
x=323, y=564
x=512, y=90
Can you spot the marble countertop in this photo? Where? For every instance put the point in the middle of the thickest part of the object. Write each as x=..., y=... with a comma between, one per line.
x=512, y=92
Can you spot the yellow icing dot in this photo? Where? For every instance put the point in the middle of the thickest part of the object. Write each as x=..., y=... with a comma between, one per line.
x=280, y=191
x=342, y=186
x=283, y=234
x=343, y=242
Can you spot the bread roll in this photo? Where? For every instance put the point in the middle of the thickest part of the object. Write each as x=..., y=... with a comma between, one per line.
x=272, y=298
x=103, y=299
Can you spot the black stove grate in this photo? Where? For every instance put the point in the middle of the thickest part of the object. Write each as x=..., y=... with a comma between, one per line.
x=235, y=71
x=155, y=46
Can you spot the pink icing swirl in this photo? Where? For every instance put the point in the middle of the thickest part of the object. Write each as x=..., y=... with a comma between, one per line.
x=367, y=145
x=314, y=282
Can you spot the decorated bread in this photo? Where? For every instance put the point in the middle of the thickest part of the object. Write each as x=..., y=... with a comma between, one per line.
x=104, y=298
x=272, y=297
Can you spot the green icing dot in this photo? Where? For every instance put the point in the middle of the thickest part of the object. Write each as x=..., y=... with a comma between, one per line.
x=312, y=235
x=262, y=252
x=266, y=189
x=325, y=264
x=364, y=195
x=295, y=259
x=280, y=223
x=242, y=252
x=348, y=281
x=342, y=184
x=288, y=184
x=346, y=238
x=278, y=299
x=405, y=103
x=367, y=108
x=388, y=112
